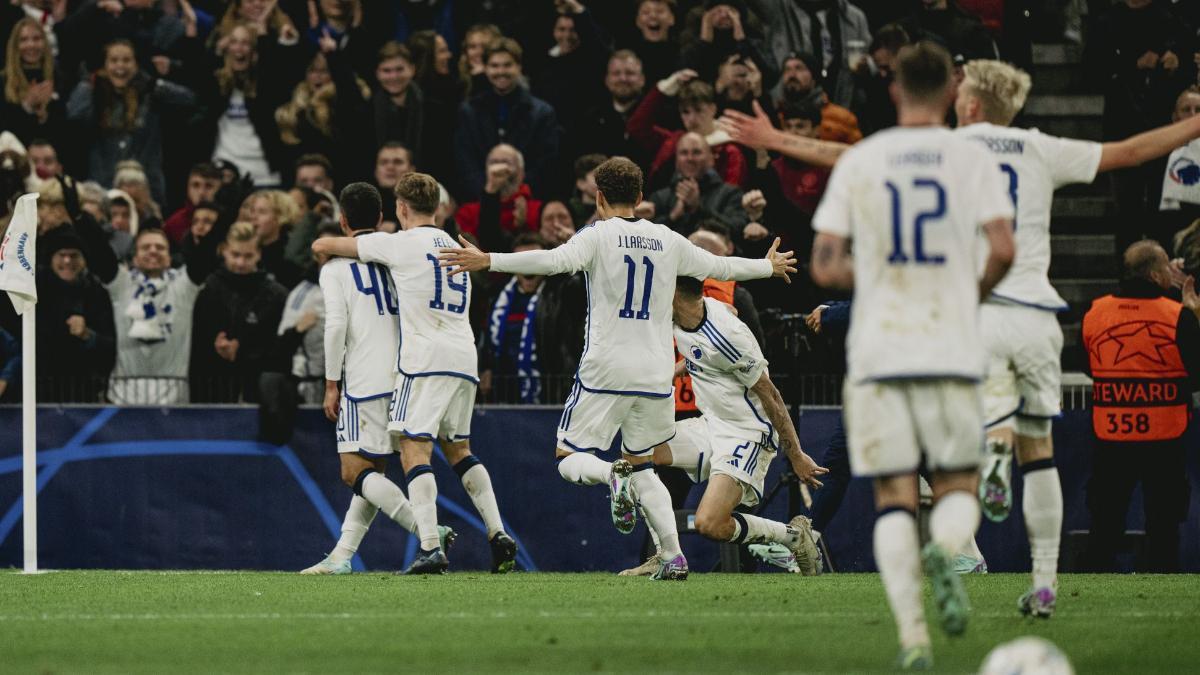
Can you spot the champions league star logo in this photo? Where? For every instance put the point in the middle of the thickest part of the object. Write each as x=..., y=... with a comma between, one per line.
x=1185, y=172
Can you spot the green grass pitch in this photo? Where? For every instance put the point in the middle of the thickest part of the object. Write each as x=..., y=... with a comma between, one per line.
x=123, y=622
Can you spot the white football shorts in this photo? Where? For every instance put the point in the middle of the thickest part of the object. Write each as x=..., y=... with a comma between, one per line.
x=362, y=426
x=745, y=456
x=891, y=425
x=1024, y=347
x=432, y=407
x=590, y=421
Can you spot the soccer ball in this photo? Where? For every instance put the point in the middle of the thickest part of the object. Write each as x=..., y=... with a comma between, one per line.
x=1027, y=656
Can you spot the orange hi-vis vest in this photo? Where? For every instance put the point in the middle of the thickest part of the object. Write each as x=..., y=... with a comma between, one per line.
x=685, y=398
x=1140, y=390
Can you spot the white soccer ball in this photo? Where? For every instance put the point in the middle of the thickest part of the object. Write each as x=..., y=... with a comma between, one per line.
x=1027, y=656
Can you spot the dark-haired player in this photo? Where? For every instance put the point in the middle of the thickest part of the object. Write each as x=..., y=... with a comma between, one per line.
x=624, y=378
x=437, y=369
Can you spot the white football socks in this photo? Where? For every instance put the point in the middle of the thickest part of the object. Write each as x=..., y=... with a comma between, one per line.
x=354, y=528
x=383, y=493
x=584, y=468
x=422, y=490
x=660, y=514
x=478, y=484
x=953, y=521
x=1043, y=507
x=899, y=563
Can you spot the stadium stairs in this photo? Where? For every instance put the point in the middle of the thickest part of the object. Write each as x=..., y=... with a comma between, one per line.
x=1083, y=265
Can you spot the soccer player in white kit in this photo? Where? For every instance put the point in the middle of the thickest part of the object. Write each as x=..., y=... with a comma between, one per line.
x=1024, y=340
x=436, y=370
x=744, y=423
x=914, y=200
x=361, y=311
x=624, y=378
x=1022, y=335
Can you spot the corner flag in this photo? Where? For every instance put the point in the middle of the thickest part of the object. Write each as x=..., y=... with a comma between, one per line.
x=18, y=259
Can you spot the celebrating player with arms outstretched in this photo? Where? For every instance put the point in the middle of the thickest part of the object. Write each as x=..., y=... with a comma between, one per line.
x=360, y=333
x=914, y=200
x=624, y=378
x=1023, y=338
x=434, y=393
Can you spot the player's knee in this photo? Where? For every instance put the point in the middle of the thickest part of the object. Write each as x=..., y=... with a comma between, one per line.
x=350, y=474
x=1034, y=428
x=712, y=524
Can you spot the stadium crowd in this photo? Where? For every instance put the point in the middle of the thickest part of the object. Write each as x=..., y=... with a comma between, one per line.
x=186, y=154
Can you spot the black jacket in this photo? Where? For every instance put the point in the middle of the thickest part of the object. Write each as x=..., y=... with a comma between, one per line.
x=77, y=367
x=718, y=201
x=531, y=127
x=246, y=308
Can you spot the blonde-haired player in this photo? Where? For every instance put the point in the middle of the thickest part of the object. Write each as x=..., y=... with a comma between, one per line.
x=1024, y=340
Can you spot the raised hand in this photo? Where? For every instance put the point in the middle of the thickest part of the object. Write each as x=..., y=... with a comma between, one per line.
x=782, y=264
x=466, y=259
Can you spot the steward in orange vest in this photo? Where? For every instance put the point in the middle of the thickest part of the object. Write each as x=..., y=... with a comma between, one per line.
x=1144, y=356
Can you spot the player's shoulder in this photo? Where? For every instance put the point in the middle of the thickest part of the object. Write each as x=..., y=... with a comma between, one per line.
x=724, y=318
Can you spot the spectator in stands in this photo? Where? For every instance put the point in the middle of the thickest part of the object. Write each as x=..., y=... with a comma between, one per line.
x=1180, y=203
x=391, y=162
x=655, y=47
x=121, y=223
x=272, y=214
x=507, y=207
x=131, y=179
x=471, y=76
x=1137, y=50
x=75, y=323
x=431, y=59
x=202, y=184
x=510, y=370
x=603, y=128
x=324, y=113
x=120, y=109
x=717, y=30
x=314, y=171
x=697, y=109
x=739, y=84
x=572, y=76
x=239, y=102
x=799, y=84
x=44, y=159
x=397, y=104
x=557, y=225
x=265, y=19
x=505, y=113
x=31, y=107
x=149, y=31
x=961, y=32
x=300, y=347
x=697, y=193
x=237, y=314
x=1142, y=404
x=583, y=202
x=152, y=304
x=879, y=110
x=803, y=26
x=206, y=217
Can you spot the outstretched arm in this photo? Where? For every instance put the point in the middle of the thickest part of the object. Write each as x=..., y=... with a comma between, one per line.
x=698, y=263
x=1150, y=145
x=572, y=256
x=757, y=132
x=804, y=466
x=342, y=247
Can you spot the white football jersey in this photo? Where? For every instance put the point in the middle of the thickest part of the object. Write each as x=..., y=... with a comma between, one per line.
x=725, y=361
x=362, y=314
x=1034, y=166
x=435, y=329
x=630, y=267
x=913, y=200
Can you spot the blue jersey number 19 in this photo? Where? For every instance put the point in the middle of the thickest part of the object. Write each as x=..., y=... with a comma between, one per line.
x=460, y=287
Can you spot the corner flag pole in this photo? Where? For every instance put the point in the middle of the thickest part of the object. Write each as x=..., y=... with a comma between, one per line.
x=29, y=437
x=18, y=276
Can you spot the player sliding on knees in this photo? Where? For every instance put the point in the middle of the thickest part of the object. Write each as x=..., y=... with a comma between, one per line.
x=360, y=330
x=625, y=375
x=1023, y=338
x=436, y=372
x=744, y=423
x=914, y=201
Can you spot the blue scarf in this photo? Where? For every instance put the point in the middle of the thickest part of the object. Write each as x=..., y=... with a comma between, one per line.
x=528, y=374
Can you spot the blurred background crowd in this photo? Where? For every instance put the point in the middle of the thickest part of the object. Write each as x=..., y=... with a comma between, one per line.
x=186, y=154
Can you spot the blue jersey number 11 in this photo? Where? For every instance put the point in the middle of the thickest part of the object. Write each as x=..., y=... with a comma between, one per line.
x=644, y=313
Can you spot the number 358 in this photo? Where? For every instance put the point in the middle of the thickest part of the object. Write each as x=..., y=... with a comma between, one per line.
x=1128, y=423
